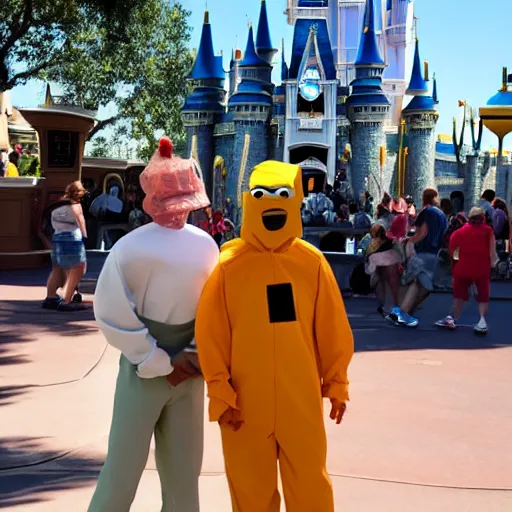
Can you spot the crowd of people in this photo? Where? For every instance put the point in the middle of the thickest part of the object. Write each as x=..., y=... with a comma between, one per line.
x=18, y=160
x=404, y=249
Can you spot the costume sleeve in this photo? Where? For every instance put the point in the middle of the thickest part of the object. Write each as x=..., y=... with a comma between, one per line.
x=114, y=309
x=213, y=339
x=333, y=335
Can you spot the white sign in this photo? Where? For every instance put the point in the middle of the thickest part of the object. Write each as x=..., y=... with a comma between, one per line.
x=314, y=123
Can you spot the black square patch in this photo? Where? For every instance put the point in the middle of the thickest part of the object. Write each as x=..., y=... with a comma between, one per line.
x=281, y=307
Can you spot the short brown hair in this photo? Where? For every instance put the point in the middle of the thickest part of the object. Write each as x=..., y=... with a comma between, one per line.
x=75, y=191
x=429, y=196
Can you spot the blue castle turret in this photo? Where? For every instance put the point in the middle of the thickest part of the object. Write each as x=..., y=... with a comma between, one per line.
x=204, y=105
x=368, y=108
x=263, y=41
x=251, y=109
x=420, y=118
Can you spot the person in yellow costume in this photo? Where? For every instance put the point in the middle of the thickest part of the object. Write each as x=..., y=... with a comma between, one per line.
x=278, y=341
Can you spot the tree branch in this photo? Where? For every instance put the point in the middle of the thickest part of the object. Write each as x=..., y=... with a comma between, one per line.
x=25, y=75
x=19, y=31
x=102, y=125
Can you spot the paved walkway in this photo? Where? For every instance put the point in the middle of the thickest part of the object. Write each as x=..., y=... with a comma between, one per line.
x=429, y=427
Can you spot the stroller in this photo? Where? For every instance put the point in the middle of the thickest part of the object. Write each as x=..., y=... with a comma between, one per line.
x=503, y=269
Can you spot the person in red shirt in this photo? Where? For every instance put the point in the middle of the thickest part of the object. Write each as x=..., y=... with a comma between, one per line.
x=473, y=252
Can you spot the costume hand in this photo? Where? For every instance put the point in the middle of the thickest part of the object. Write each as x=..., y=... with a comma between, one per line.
x=338, y=410
x=231, y=419
x=187, y=362
x=186, y=366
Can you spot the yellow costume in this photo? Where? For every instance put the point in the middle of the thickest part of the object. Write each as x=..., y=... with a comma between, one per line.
x=273, y=338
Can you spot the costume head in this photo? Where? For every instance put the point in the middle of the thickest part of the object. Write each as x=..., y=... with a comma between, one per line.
x=271, y=208
x=173, y=187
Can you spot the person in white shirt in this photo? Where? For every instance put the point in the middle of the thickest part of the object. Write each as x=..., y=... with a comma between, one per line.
x=145, y=304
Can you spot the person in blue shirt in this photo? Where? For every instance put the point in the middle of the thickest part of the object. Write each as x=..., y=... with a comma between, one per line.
x=431, y=225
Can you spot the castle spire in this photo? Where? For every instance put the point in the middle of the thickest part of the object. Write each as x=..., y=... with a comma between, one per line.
x=263, y=41
x=417, y=86
x=434, y=92
x=369, y=53
x=251, y=58
x=206, y=66
x=284, y=66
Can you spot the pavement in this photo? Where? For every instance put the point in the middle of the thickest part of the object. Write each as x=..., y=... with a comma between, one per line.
x=429, y=425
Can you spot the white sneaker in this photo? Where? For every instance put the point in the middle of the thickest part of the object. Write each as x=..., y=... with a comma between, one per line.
x=481, y=327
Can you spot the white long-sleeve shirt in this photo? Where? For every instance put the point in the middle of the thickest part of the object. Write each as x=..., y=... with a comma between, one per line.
x=158, y=273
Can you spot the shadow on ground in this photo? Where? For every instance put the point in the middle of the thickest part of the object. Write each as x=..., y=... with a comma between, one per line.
x=23, y=321
x=33, y=484
x=373, y=333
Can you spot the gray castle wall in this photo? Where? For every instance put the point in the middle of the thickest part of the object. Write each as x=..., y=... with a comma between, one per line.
x=224, y=148
x=205, y=150
x=446, y=168
x=472, y=182
x=276, y=149
x=391, y=172
x=420, y=163
x=258, y=152
x=366, y=142
x=502, y=172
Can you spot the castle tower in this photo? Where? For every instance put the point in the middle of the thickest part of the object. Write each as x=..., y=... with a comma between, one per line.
x=279, y=111
x=263, y=41
x=399, y=42
x=420, y=119
x=368, y=109
x=204, y=105
x=251, y=110
x=311, y=103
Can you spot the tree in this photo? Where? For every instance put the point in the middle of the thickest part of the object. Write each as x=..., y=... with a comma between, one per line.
x=37, y=35
x=144, y=75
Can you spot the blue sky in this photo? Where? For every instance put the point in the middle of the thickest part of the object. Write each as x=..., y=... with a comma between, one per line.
x=465, y=41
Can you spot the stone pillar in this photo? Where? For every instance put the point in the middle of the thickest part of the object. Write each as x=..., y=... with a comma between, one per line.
x=420, y=172
x=473, y=182
x=367, y=138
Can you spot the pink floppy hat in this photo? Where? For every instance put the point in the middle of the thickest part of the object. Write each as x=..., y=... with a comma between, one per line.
x=172, y=186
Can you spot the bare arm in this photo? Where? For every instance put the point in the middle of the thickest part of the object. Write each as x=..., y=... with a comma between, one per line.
x=492, y=251
x=420, y=234
x=80, y=219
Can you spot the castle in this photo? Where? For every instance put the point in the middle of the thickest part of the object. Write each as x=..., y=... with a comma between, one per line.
x=354, y=99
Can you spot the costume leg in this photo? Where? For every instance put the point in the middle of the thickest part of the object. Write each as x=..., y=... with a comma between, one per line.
x=137, y=406
x=251, y=470
x=302, y=460
x=179, y=447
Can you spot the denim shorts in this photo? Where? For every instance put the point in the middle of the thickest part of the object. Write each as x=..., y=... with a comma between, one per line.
x=68, y=249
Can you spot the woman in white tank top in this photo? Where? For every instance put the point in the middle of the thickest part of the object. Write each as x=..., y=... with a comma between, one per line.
x=68, y=250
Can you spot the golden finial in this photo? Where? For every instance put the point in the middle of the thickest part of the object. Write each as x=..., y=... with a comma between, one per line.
x=504, y=80
x=48, y=101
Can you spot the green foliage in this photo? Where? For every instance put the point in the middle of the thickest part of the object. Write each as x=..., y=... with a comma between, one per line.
x=144, y=76
x=100, y=148
x=130, y=53
x=36, y=35
x=29, y=165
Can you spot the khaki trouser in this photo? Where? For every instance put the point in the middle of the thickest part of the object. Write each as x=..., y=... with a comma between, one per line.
x=175, y=416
